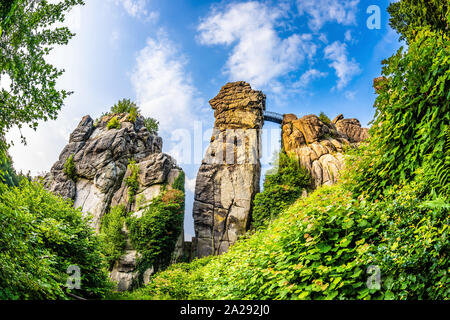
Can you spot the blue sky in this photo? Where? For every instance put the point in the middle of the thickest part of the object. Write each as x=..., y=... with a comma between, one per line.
x=173, y=56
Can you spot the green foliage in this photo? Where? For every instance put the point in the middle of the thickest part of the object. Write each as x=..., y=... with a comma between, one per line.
x=152, y=125
x=114, y=238
x=179, y=182
x=125, y=106
x=282, y=187
x=132, y=114
x=7, y=174
x=27, y=35
x=324, y=118
x=70, y=169
x=155, y=233
x=321, y=248
x=409, y=16
x=41, y=235
x=414, y=246
x=114, y=123
x=412, y=114
x=178, y=282
x=440, y=179
x=132, y=180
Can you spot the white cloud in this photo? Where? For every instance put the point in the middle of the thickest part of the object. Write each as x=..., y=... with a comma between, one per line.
x=350, y=95
x=190, y=184
x=138, y=9
x=323, y=11
x=163, y=89
x=259, y=55
x=348, y=35
x=345, y=69
x=309, y=76
x=323, y=38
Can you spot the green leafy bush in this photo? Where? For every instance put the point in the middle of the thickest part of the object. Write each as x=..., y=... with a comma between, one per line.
x=324, y=118
x=322, y=247
x=114, y=123
x=125, y=106
x=114, y=238
x=132, y=180
x=178, y=282
x=281, y=188
x=412, y=113
x=41, y=235
x=179, y=182
x=152, y=125
x=70, y=169
x=8, y=175
x=132, y=115
x=156, y=232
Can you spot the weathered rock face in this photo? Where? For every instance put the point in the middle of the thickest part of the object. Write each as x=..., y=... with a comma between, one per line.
x=101, y=157
x=319, y=146
x=229, y=175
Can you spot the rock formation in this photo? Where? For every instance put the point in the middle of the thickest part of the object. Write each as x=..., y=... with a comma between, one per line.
x=229, y=175
x=319, y=146
x=100, y=157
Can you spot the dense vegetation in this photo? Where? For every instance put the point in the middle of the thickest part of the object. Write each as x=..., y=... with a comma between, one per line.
x=321, y=248
x=41, y=236
x=154, y=234
x=8, y=175
x=153, y=230
x=282, y=186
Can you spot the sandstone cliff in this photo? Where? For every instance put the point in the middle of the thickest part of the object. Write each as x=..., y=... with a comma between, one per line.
x=100, y=157
x=229, y=175
x=319, y=146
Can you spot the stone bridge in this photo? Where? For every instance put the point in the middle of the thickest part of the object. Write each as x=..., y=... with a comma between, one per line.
x=229, y=176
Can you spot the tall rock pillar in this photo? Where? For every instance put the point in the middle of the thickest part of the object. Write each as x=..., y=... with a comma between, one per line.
x=228, y=178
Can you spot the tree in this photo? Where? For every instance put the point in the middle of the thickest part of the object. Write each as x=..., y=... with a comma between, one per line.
x=26, y=38
x=407, y=16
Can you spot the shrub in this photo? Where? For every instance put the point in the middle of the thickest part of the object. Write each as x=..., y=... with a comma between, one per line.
x=41, y=235
x=132, y=180
x=125, y=106
x=114, y=238
x=132, y=115
x=281, y=188
x=155, y=233
x=322, y=248
x=114, y=123
x=8, y=175
x=70, y=169
x=324, y=118
x=179, y=182
x=151, y=125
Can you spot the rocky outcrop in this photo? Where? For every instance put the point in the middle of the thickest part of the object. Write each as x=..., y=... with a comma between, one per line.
x=101, y=158
x=319, y=146
x=229, y=175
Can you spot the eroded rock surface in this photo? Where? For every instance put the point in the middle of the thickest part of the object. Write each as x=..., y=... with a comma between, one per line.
x=101, y=157
x=229, y=175
x=319, y=146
